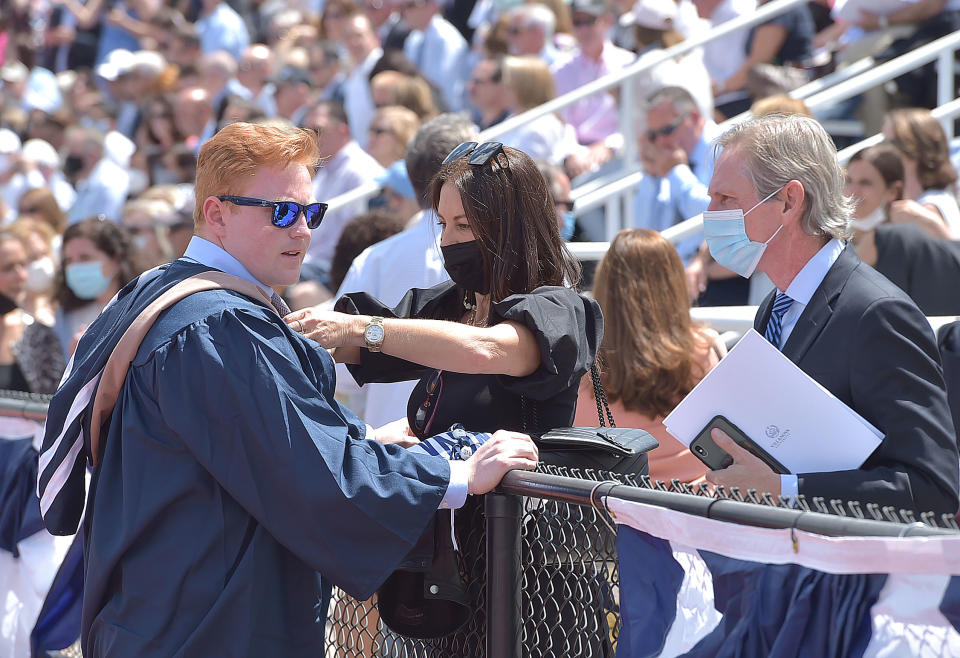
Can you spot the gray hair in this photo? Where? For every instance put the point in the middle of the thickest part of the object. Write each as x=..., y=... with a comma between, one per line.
x=778, y=148
x=681, y=99
x=432, y=143
x=537, y=15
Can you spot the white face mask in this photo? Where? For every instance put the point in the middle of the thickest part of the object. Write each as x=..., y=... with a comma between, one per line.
x=726, y=234
x=871, y=221
x=40, y=275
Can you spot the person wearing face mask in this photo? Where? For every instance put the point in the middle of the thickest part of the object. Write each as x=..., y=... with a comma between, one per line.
x=97, y=259
x=505, y=342
x=29, y=356
x=924, y=267
x=777, y=206
x=38, y=238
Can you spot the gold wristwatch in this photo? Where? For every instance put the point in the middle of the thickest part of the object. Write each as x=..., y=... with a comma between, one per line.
x=373, y=334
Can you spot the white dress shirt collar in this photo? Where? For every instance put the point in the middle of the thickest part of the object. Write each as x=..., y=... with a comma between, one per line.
x=206, y=253
x=808, y=279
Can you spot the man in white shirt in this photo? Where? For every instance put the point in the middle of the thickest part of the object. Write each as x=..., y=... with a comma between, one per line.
x=410, y=259
x=101, y=184
x=436, y=48
x=346, y=166
x=253, y=72
x=530, y=29
x=724, y=56
x=221, y=28
x=363, y=46
x=487, y=94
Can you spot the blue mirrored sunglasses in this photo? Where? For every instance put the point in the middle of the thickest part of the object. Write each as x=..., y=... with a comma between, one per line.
x=285, y=213
x=479, y=154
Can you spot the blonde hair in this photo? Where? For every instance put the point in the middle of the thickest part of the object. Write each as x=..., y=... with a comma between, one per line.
x=403, y=121
x=409, y=91
x=234, y=155
x=779, y=104
x=530, y=80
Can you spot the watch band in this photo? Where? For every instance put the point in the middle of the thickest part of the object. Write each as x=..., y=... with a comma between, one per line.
x=373, y=335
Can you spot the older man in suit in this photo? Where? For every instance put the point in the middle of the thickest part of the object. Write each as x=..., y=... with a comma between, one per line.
x=777, y=205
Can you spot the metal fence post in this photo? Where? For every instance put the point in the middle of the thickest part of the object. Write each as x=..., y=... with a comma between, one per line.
x=502, y=516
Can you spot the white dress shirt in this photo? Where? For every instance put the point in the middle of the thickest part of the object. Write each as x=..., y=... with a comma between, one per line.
x=800, y=290
x=206, y=253
x=440, y=54
x=387, y=270
x=104, y=192
x=357, y=100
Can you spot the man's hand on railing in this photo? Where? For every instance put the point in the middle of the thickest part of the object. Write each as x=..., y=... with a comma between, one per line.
x=504, y=452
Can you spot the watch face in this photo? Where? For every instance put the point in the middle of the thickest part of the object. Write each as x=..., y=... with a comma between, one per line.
x=373, y=334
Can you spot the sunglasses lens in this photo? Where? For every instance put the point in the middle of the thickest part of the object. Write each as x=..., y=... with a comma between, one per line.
x=314, y=213
x=460, y=151
x=285, y=213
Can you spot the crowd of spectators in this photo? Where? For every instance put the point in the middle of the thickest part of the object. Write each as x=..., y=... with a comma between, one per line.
x=104, y=106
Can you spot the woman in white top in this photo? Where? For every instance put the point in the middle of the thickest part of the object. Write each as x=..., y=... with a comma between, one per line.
x=529, y=83
x=930, y=176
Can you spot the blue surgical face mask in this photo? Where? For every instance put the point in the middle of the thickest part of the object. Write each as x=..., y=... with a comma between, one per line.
x=86, y=280
x=569, y=224
x=726, y=235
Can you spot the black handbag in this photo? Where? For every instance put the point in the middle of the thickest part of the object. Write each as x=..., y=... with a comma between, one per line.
x=606, y=448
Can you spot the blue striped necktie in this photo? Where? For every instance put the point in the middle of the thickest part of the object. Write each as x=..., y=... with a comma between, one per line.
x=775, y=324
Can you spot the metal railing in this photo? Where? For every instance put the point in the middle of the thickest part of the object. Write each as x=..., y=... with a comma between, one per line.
x=549, y=586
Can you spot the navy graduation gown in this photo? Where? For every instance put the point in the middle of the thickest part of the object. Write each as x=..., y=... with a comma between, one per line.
x=231, y=478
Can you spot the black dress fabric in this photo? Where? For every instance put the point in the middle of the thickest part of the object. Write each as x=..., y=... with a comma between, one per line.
x=568, y=328
x=924, y=267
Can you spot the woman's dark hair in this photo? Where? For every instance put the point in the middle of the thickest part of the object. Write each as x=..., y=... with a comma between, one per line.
x=110, y=238
x=885, y=158
x=920, y=137
x=513, y=218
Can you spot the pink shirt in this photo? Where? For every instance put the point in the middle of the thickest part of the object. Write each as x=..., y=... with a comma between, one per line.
x=594, y=118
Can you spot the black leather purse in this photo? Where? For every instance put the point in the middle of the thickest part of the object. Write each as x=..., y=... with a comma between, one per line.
x=607, y=448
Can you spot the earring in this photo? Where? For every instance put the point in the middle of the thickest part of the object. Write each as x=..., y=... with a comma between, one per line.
x=466, y=303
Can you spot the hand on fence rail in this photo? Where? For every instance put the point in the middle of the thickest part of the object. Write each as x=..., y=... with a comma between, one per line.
x=504, y=452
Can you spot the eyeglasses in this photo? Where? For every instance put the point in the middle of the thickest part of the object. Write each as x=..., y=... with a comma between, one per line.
x=481, y=81
x=479, y=155
x=285, y=213
x=566, y=205
x=377, y=130
x=584, y=21
x=427, y=410
x=666, y=130
x=514, y=30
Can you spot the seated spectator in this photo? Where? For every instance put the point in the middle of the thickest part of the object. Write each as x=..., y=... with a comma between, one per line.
x=391, y=128
x=412, y=92
x=924, y=267
x=40, y=205
x=147, y=221
x=221, y=28
x=293, y=93
x=237, y=108
x=363, y=46
x=930, y=176
x=346, y=166
x=487, y=95
x=725, y=55
x=780, y=104
x=397, y=195
x=29, y=358
x=156, y=135
x=595, y=118
x=563, y=37
x=40, y=163
x=530, y=31
x=97, y=259
x=254, y=71
x=779, y=56
x=528, y=84
x=436, y=48
x=559, y=185
x=38, y=239
x=100, y=183
x=194, y=116
x=652, y=355
x=361, y=232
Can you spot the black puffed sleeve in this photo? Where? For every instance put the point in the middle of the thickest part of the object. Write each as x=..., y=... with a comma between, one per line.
x=437, y=303
x=568, y=328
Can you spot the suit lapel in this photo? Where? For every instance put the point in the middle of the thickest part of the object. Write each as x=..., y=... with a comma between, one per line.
x=817, y=313
x=763, y=313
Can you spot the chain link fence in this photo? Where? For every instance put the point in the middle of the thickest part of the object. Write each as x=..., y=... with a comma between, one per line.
x=568, y=577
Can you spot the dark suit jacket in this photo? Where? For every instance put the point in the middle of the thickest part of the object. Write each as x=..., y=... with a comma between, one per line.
x=866, y=342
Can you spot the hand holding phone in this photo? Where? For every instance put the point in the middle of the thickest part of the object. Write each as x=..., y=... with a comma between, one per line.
x=716, y=459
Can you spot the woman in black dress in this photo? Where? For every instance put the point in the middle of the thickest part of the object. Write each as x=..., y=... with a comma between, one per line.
x=501, y=345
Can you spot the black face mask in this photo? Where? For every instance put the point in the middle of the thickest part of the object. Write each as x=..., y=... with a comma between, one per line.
x=464, y=263
x=72, y=164
x=6, y=304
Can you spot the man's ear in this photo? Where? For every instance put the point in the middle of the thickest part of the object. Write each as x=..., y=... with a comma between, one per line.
x=794, y=197
x=214, y=216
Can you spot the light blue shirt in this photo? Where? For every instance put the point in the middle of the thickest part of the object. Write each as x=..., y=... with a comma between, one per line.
x=800, y=290
x=206, y=253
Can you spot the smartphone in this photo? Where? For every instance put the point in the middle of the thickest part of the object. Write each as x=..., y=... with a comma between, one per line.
x=707, y=451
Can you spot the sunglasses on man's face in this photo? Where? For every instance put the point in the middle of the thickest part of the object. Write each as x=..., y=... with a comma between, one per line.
x=479, y=154
x=584, y=21
x=666, y=130
x=285, y=213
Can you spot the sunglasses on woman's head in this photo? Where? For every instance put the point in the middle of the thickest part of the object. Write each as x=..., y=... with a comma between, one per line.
x=285, y=213
x=479, y=154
